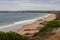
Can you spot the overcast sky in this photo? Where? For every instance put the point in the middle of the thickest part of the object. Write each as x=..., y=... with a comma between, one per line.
x=15, y=5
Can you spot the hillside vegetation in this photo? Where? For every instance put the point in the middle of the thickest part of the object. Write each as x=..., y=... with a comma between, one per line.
x=11, y=36
x=46, y=31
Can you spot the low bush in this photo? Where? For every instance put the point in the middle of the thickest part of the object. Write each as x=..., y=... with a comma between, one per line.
x=50, y=25
x=11, y=36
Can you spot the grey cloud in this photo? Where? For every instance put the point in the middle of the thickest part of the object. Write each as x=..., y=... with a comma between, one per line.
x=29, y=5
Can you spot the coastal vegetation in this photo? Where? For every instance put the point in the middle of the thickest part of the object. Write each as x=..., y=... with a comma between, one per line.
x=50, y=26
x=11, y=36
x=46, y=31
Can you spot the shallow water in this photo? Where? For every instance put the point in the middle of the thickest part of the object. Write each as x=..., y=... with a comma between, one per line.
x=9, y=18
x=14, y=21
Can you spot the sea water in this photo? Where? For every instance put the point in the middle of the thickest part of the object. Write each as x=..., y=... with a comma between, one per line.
x=13, y=21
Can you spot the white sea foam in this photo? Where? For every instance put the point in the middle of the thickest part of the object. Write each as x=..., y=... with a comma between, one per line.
x=16, y=25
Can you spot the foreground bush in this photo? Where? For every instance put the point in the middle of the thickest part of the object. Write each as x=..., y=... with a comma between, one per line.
x=11, y=36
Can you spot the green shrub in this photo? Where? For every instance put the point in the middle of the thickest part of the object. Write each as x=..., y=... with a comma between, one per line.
x=50, y=25
x=11, y=36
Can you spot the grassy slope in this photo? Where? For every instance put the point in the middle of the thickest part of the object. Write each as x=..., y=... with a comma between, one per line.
x=46, y=31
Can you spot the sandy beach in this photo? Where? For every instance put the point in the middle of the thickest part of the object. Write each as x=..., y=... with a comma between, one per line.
x=30, y=29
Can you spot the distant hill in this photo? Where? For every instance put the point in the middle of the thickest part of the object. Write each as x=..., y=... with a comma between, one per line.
x=28, y=11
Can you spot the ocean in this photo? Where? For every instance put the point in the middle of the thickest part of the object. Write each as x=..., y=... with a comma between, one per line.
x=13, y=21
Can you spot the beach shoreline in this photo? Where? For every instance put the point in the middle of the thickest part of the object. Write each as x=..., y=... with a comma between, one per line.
x=25, y=24
x=16, y=25
x=35, y=26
